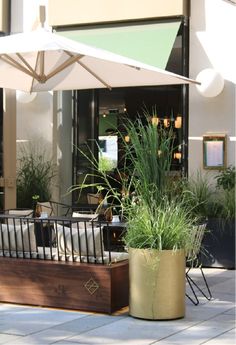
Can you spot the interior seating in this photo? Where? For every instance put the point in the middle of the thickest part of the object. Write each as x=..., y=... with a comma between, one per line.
x=53, y=208
x=14, y=238
x=16, y=213
x=78, y=240
x=86, y=216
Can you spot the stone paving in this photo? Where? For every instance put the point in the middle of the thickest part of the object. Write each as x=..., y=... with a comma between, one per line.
x=211, y=322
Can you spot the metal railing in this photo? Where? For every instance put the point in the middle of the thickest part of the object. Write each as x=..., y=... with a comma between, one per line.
x=61, y=239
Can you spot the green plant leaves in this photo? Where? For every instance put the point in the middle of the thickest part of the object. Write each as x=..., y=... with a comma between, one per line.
x=34, y=177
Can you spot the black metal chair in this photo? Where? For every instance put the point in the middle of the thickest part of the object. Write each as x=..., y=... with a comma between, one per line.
x=54, y=208
x=193, y=260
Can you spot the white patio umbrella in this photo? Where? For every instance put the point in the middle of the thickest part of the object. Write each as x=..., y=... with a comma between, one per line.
x=43, y=61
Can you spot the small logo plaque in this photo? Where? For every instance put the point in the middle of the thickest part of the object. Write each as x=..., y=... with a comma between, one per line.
x=91, y=286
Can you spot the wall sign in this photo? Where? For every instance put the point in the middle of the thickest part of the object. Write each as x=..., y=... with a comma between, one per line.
x=214, y=151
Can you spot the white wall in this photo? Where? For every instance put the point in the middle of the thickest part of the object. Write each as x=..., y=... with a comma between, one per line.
x=25, y=15
x=44, y=121
x=34, y=119
x=212, y=45
x=62, y=145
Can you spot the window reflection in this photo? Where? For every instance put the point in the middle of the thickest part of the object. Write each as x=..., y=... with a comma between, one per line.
x=108, y=152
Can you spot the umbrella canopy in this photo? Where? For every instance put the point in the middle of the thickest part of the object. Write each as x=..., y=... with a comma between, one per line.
x=43, y=61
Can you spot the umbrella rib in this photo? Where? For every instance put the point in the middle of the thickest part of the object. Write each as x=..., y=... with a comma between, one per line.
x=32, y=83
x=41, y=64
x=25, y=62
x=67, y=63
x=91, y=72
x=9, y=60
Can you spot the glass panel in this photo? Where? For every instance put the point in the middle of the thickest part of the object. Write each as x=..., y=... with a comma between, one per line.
x=108, y=155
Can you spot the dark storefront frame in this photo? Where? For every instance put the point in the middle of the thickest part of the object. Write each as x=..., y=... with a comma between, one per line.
x=86, y=107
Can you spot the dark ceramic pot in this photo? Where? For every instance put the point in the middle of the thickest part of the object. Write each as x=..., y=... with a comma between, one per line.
x=218, y=246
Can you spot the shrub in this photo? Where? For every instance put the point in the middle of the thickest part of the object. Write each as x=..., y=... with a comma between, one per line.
x=34, y=177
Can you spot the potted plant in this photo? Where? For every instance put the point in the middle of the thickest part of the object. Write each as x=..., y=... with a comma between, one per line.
x=219, y=241
x=158, y=222
x=159, y=225
x=157, y=238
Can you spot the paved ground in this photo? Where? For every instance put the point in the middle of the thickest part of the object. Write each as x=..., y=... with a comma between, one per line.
x=210, y=323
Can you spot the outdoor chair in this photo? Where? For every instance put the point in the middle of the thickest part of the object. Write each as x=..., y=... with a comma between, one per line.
x=93, y=199
x=193, y=260
x=18, y=212
x=46, y=208
x=54, y=208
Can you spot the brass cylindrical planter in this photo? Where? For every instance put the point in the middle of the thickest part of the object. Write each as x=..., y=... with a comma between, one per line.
x=157, y=284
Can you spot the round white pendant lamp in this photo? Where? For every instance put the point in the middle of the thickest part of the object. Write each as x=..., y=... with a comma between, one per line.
x=211, y=81
x=25, y=97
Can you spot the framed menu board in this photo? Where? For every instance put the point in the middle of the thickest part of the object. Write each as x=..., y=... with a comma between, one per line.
x=214, y=151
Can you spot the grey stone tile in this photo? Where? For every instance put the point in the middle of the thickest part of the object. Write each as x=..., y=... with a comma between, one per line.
x=213, y=276
x=7, y=338
x=198, y=334
x=228, y=338
x=46, y=337
x=131, y=331
x=33, y=320
x=6, y=308
x=228, y=287
x=88, y=323
x=208, y=310
x=231, y=311
x=67, y=342
x=229, y=318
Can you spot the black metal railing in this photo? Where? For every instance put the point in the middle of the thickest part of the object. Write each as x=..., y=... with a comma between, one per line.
x=61, y=239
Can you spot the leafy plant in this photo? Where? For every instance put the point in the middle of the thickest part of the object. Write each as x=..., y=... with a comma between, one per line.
x=155, y=218
x=106, y=164
x=228, y=203
x=225, y=194
x=165, y=224
x=226, y=178
x=34, y=177
x=197, y=193
x=148, y=153
x=224, y=204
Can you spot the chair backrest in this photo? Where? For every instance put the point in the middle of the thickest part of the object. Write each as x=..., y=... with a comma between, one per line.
x=25, y=213
x=87, y=216
x=46, y=207
x=196, y=241
x=93, y=199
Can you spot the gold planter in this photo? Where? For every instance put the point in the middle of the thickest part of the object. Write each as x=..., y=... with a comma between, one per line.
x=157, y=284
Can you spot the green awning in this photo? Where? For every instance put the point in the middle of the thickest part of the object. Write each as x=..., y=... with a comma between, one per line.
x=148, y=43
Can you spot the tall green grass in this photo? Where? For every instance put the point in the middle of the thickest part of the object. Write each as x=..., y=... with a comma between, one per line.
x=149, y=154
x=34, y=176
x=165, y=225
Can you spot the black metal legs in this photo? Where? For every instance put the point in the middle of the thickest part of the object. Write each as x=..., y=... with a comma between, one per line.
x=193, y=284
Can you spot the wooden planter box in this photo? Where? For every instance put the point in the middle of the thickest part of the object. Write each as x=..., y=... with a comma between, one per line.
x=219, y=244
x=70, y=285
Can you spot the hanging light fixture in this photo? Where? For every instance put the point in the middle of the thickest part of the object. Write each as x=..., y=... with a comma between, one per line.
x=155, y=120
x=127, y=138
x=178, y=121
x=166, y=122
x=177, y=155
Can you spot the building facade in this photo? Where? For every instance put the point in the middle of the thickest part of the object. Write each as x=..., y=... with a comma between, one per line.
x=186, y=37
